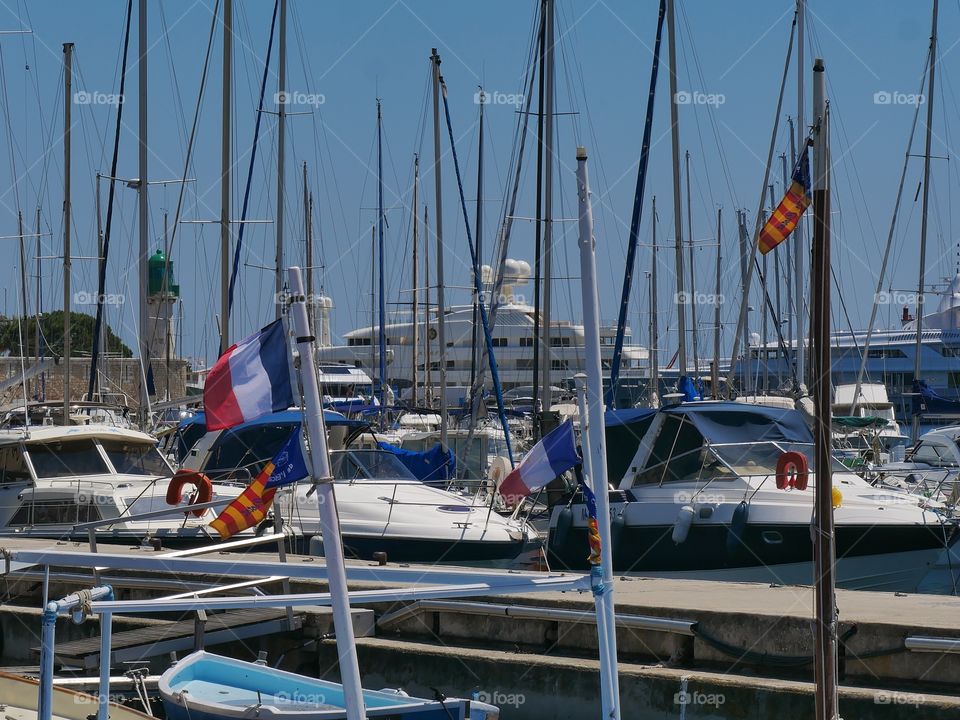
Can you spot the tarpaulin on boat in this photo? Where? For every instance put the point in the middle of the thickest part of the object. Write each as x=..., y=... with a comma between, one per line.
x=729, y=422
x=433, y=464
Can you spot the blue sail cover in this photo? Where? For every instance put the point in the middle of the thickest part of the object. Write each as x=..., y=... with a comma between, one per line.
x=731, y=422
x=926, y=400
x=433, y=464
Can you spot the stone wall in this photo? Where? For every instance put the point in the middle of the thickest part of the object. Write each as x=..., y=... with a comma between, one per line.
x=119, y=380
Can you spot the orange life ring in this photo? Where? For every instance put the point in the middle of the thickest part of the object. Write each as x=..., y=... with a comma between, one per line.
x=792, y=470
x=200, y=481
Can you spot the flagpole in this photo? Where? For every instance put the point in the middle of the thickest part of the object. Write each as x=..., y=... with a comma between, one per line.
x=329, y=522
x=602, y=590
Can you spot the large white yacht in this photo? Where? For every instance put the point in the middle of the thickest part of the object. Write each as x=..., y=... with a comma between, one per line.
x=513, y=342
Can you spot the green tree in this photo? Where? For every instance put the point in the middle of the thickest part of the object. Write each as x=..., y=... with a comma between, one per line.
x=51, y=336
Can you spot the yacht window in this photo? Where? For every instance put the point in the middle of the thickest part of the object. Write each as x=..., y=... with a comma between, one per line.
x=185, y=438
x=928, y=453
x=54, y=512
x=368, y=465
x=12, y=466
x=64, y=459
x=249, y=448
x=135, y=458
x=678, y=453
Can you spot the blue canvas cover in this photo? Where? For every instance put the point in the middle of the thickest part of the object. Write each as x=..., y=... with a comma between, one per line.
x=429, y=465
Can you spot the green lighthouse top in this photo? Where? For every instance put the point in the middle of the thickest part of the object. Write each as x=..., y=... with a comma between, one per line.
x=157, y=266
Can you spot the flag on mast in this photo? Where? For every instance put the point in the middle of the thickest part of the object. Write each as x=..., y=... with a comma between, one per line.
x=250, y=507
x=784, y=219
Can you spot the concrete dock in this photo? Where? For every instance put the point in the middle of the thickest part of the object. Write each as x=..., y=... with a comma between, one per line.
x=693, y=649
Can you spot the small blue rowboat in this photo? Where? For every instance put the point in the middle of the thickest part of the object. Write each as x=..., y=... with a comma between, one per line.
x=204, y=686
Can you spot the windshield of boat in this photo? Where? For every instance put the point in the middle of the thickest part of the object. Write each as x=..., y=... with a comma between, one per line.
x=136, y=458
x=367, y=465
x=66, y=459
x=726, y=462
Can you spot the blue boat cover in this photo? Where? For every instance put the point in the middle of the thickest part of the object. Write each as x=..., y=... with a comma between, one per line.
x=433, y=464
x=626, y=416
x=731, y=422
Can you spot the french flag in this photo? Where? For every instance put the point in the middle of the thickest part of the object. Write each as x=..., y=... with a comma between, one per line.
x=553, y=455
x=252, y=378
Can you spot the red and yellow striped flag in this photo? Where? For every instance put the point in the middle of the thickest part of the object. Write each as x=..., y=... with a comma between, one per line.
x=249, y=508
x=784, y=219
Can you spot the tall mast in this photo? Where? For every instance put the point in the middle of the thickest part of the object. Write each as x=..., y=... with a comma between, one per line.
x=744, y=272
x=715, y=370
x=677, y=222
x=441, y=320
x=918, y=345
x=308, y=237
x=475, y=352
x=38, y=307
x=24, y=310
x=793, y=299
x=281, y=135
x=225, y=176
x=654, y=325
x=67, y=104
x=143, y=208
x=428, y=391
x=416, y=277
x=693, y=282
x=546, y=356
x=825, y=616
x=381, y=295
x=538, y=347
x=798, y=246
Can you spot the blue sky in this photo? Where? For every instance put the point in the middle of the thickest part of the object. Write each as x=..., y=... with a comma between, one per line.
x=343, y=55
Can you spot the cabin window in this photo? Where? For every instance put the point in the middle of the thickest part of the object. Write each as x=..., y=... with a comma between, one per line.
x=560, y=342
x=136, y=458
x=54, y=512
x=525, y=364
x=678, y=453
x=451, y=363
x=12, y=466
x=499, y=342
x=931, y=455
x=559, y=365
x=249, y=448
x=526, y=342
x=63, y=459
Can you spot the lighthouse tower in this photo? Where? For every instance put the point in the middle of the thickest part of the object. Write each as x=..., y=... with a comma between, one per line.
x=162, y=294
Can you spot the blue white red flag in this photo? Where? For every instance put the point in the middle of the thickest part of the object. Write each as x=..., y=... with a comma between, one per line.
x=252, y=378
x=554, y=454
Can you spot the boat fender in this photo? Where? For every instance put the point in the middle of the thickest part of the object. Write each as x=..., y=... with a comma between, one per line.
x=562, y=530
x=196, y=478
x=681, y=526
x=499, y=469
x=792, y=470
x=738, y=527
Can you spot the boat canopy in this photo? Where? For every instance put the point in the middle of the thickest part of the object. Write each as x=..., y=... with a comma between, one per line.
x=433, y=464
x=727, y=423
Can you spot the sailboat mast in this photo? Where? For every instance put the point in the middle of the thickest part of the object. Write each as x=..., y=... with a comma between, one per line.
x=693, y=282
x=918, y=345
x=654, y=328
x=825, y=618
x=67, y=104
x=677, y=221
x=441, y=320
x=308, y=238
x=416, y=277
x=475, y=351
x=546, y=363
x=428, y=390
x=715, y=370
x=798, y=246
x=224, y=175
x=381, y=295
x=281, y=136
x=538, y=347
x=745, y=351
